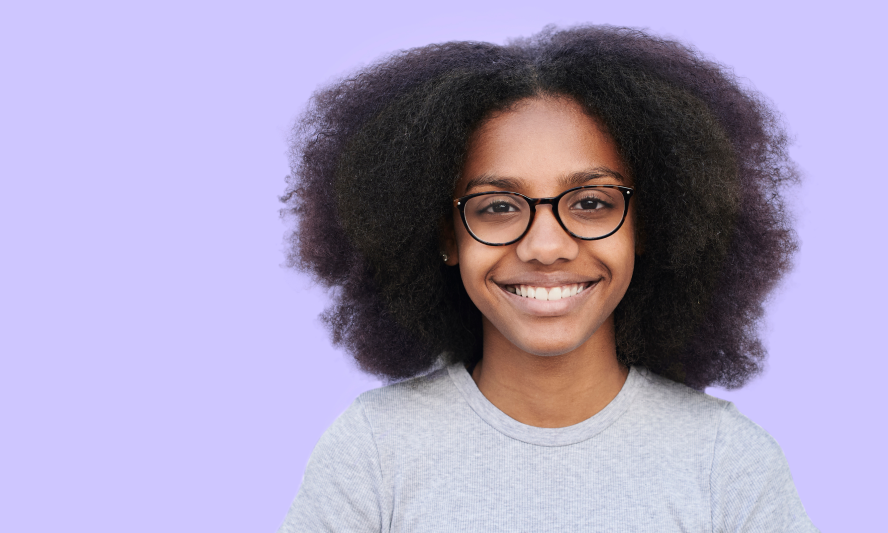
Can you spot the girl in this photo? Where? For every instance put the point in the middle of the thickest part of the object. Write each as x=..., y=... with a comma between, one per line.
x=550, y=248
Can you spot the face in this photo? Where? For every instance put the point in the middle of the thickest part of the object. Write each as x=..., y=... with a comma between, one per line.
x=540, y=148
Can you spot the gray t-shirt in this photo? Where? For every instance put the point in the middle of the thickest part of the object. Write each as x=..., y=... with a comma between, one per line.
x=432, y=454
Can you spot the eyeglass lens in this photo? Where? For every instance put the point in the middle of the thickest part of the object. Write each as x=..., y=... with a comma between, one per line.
x=587, y=213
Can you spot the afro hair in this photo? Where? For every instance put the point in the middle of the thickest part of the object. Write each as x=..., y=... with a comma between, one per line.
x=376, y=156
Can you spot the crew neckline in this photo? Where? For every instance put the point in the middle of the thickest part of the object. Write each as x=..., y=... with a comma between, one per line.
x=565, y=436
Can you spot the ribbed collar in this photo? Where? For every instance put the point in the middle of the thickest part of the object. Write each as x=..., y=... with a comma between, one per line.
x=547, y=436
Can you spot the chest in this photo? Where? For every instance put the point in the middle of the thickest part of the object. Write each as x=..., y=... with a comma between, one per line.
x=599, y=486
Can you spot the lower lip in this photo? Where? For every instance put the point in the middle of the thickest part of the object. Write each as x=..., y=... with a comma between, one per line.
x=532, y=306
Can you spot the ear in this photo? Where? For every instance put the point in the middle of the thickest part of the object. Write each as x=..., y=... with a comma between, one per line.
x=447, y=243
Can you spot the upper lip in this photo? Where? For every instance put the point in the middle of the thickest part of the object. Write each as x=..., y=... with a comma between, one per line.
x=557, y=279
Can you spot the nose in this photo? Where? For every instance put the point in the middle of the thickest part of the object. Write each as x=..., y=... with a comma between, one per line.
x=546, y=241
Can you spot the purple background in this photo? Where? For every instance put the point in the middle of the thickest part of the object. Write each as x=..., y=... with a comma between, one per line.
x=161, y=371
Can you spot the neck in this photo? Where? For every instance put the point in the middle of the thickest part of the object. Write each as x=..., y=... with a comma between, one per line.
x=550, y=391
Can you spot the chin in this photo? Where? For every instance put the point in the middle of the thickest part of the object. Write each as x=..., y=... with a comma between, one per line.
x=551, y=352
x=551, y=337
x=550, y=348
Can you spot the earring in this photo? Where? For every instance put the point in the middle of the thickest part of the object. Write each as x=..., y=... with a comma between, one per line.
x=444, y=256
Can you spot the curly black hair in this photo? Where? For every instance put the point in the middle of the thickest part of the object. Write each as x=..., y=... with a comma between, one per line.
x=376, y=156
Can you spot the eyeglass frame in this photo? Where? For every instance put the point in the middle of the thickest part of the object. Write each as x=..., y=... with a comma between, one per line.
x=460, y=203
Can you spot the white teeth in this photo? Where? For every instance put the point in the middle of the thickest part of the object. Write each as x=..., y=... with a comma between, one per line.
x=543, y=293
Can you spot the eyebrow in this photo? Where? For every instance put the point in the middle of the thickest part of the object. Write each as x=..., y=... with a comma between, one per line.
x=571, y=180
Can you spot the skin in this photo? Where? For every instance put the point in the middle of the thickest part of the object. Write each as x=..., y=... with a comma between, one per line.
x=545, y=364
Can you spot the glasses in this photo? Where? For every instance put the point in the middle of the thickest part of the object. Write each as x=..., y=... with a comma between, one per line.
x=500, y=218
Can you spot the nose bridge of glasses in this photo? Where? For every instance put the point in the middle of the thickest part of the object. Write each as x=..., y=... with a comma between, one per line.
x=553, y=212
x=535, y=203
x=543, y=201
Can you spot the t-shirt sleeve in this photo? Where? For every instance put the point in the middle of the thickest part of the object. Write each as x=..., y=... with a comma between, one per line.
x=340, y=490
x=750, y=483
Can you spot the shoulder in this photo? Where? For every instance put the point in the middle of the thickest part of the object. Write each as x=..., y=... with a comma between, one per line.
x=747, y=474
x=723, y=433
x=414, y=397
x=346, y=485
x=417, y=393
x=684, y=406
x=742, y=438
x=750, y=482
x=403, y=404
x=661, y=401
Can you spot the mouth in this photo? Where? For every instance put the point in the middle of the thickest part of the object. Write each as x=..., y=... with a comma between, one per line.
x=560, y=292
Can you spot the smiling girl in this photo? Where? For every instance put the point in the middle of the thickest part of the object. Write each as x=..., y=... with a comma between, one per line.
x=555, y=246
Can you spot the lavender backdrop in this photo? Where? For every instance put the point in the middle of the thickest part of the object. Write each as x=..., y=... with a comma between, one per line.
x=162, y=372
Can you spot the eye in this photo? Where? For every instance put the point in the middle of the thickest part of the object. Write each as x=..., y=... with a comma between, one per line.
x=499, y=205
x=590, y=202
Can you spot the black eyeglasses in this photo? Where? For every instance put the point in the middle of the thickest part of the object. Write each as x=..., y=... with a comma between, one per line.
x=500, y=218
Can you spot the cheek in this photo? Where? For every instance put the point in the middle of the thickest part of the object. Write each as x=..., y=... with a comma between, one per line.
x=476, y=263
x=615, y=257
x=621, y=262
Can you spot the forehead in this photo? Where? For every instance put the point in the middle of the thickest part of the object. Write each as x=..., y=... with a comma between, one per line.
x=538, y=144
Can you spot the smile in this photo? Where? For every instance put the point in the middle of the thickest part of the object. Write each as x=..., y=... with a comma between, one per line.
x=547, y=293
x=559, y=300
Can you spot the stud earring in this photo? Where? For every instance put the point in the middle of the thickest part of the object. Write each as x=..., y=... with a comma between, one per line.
x=444, y=256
